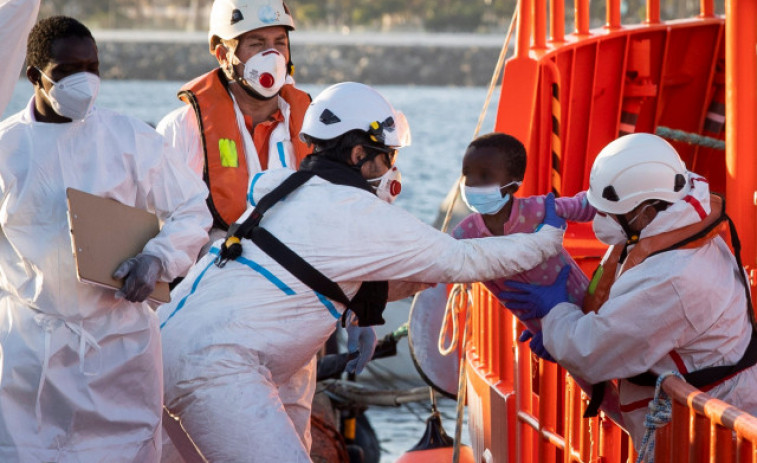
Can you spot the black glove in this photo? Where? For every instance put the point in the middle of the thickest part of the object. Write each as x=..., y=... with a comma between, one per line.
x=140, y=273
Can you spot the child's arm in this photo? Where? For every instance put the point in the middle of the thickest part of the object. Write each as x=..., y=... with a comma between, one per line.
x=575, y=208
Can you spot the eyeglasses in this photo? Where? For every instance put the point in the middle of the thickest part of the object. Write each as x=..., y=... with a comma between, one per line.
x=391, y=153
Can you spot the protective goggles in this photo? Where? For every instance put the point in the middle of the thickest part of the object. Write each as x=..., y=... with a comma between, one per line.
x=391, y=153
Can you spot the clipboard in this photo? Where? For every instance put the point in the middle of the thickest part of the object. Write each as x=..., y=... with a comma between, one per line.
x=105, y=233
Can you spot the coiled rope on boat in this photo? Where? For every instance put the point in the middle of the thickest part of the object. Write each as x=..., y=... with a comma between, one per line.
x=659, y=414
x=458, y=302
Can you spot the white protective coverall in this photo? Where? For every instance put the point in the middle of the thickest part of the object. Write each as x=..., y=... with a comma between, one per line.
x=687, y=301
x=81, y=370
x=239, y=341
x=16, y=20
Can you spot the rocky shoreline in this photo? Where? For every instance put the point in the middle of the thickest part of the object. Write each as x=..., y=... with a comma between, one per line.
x=398, y=59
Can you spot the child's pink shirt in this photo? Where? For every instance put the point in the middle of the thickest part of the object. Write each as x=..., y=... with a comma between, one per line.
x=526, y=215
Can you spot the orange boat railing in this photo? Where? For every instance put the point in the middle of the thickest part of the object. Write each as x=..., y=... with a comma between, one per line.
x=565, y=97
x=704, y=429
x=523, y=409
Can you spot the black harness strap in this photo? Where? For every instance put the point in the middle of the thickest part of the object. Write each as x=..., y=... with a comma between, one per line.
x=370, y=299
x=290, y=184
x=278, y=251
x=297, y=266
x=709, y=375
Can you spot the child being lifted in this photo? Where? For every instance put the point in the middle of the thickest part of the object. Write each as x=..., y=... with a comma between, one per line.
x=493, y=169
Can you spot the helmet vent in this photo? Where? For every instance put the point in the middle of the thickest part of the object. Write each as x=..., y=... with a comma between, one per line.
x=609, y=194
x=236, y=16
x=328, y=118
x=680, y=182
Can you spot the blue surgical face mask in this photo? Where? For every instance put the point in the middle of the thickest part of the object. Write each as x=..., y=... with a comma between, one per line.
x=485, y=199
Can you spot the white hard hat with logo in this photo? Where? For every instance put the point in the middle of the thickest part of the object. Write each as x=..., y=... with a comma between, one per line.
x=633, y=169
x=231, y=18
x=349, y=106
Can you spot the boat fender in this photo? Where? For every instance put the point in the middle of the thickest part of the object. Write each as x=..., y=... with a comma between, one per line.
x=425, y=322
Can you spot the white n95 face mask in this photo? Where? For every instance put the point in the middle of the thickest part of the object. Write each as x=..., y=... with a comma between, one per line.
x=389, y=185
x=73, y=96
x=485, y=199
x=607, y=230
x=266, y=72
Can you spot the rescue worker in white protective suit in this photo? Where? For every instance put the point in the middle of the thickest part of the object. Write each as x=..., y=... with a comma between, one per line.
x=81, y=364
x=244, y=116
x=670, y=295
x=240, y=335
x=16, y=19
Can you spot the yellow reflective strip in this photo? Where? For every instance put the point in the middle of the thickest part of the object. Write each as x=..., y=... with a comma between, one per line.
x=595, y=279
x=228, y=151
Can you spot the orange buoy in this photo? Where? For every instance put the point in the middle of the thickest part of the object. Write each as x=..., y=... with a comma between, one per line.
x=440, y=455
x=435, y=446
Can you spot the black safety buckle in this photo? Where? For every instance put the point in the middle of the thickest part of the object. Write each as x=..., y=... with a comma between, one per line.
x=230, y=250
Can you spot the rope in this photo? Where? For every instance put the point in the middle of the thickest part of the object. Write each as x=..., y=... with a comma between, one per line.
x=495, y=77
x=461, y=384
x=659, y=414
x=459, y=300
x=690, y=138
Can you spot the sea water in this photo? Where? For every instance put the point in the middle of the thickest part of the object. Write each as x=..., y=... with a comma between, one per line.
x=442, y=121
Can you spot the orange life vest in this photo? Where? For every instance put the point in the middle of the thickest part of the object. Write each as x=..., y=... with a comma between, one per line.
x=691, y=236
x=227, y=176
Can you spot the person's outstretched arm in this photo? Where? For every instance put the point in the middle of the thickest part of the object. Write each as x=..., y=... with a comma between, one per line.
x=575, y=208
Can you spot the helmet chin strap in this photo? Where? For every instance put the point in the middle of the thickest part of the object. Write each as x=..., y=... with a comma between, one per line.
x=290, y=64
x=633, y=237
x=358, y=166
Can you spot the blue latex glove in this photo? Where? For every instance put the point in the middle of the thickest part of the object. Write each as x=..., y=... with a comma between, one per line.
x=536, y=344
x=535, y=301
x=139, y=274
x=550, y=214
x=360, y=339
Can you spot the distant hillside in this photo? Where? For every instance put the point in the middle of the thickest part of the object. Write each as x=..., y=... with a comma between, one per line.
x=379, y=59
x=488, y=16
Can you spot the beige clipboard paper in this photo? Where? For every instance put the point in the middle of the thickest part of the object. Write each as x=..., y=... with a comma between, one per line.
x=105, y=233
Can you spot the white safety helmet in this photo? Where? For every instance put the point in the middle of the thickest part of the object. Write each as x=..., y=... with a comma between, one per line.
x=349, y=106
x=231, y=18
x=633, y=169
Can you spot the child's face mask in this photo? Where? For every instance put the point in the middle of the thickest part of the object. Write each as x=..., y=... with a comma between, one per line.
x=485, y=199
